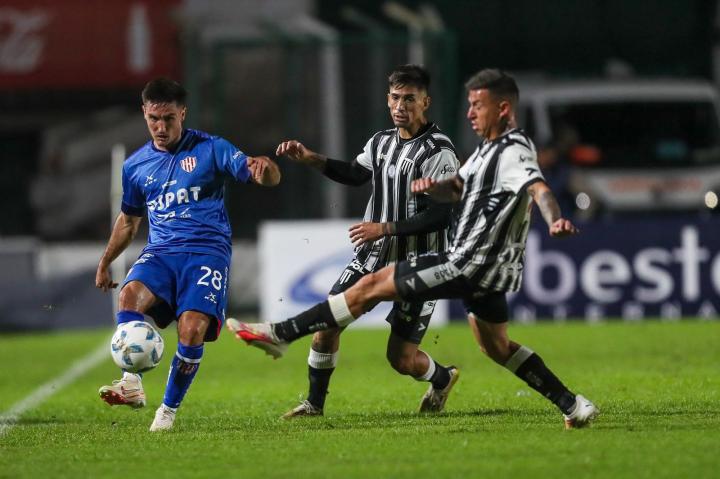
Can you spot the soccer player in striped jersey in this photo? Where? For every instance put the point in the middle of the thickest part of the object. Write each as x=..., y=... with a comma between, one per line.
x=398, y=225
x=494, y=188
x=177, y=179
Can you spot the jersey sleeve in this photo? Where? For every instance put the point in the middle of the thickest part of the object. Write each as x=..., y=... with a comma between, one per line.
x=464, y=170
x=441, y=166
x=364, y=159
x=230, y=160
x=518, y=168
x=133, y=200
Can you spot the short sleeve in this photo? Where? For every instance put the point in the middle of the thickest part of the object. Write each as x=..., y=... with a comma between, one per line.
x=230, y=160
x=464, y=170
x=518, y=168
x=441, y=166
x=364, y=159
x=133, y=200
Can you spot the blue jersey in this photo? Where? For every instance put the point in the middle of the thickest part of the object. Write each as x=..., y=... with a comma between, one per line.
x=182, y=192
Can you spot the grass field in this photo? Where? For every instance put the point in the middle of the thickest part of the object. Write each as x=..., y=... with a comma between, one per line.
x=657, y=384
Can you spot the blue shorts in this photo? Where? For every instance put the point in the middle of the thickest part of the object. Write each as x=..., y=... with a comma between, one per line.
x=184, y=282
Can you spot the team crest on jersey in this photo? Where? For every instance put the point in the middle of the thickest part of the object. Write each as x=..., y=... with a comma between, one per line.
x=188, y=163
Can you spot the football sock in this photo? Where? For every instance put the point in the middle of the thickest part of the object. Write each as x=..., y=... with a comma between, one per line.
x=126, y=316
x=320, y=368
x=437, y=374
x=441, y=378
x=128, y=375
x=317, y=318
x=529, y=367
x=182, y=371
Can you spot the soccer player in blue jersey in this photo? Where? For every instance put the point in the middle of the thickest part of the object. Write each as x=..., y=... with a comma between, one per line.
x=177, y=179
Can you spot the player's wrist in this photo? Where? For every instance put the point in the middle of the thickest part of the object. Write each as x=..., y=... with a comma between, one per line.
x=388, y=229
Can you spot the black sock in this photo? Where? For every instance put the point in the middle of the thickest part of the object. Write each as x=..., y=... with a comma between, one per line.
x=441, y=377
x=314, y=319
x=534, y=372
x=319, y=383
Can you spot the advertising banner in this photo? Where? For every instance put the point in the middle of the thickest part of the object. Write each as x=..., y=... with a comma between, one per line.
x=666, y=267
x=86, y=43
x=299, y=263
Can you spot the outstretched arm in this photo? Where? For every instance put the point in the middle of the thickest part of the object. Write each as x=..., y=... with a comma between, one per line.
x=550, y=210
x=445, y=191
x=124, y=230
x=263, y=170
x=434, y=218
x=345, y=172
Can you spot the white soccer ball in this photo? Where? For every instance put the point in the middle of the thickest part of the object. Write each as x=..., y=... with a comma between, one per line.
x=136, y=346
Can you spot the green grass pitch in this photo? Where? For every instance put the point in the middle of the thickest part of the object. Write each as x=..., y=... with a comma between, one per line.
x=657, y=385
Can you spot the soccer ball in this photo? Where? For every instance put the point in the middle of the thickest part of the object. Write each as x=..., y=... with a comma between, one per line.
x=136, y=346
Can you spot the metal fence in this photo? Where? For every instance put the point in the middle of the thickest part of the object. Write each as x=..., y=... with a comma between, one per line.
x=327, y=91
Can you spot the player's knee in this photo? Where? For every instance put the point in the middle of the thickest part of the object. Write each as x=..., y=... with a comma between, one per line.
x=367, y=286
x=192, y=332
x=325, y=341
x=127, y=300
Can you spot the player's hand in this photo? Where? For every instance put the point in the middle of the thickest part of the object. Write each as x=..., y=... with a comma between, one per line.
x=257, y=166
x=423, y=185
x=103, y=280
x=366, y=232
x=263, y=170
x=562, y=227
x=294, y=150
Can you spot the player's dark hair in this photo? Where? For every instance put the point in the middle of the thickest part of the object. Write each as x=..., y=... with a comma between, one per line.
x=497, y=82
x=164, y=90
x=410, y=75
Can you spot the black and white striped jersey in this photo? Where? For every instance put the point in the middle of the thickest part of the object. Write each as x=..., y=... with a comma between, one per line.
x=494, y=216
x=395, y=163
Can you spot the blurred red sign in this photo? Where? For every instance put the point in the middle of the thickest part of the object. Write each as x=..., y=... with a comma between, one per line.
x=86, y=43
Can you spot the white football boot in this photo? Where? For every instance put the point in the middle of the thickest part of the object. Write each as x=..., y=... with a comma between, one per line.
x=260, y=335
x=164, y=419
x=582, y=414
x=305, y=408
x=127, y=391
x=434, y=400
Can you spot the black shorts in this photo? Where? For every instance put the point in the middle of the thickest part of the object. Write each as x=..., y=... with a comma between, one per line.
x=433, y=276
x=408, y=320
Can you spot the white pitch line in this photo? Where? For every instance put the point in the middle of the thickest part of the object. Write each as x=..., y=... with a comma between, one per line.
x=9, y=418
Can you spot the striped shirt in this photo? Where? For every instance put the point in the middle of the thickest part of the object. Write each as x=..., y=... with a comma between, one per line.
x=394, y=163
x=494, y=216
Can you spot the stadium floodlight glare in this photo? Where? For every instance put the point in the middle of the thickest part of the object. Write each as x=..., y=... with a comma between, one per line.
x=711, y=200
x=582, y=200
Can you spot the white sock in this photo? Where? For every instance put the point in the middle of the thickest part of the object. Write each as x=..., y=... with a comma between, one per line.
x=429, y=373
x=518, y=358
x=339, y=309
x=322, y=360
x=131, y=376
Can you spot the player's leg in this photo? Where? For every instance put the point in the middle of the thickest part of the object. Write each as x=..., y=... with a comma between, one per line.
x=336, y=312
x=323, y=355
x=135, y=299
x=192, y=329
x=322, y=360
x=427, y=277
x=409, y=322
x=489, y=324
x=201, y=283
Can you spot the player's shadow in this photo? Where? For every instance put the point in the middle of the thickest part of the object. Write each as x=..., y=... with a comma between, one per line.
x=390, y=419
x=39, y=421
